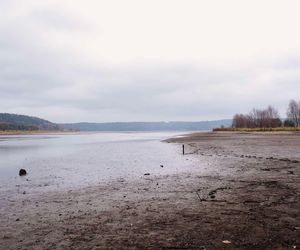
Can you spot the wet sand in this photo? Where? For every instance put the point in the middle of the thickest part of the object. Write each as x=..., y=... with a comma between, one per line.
x=247, y=198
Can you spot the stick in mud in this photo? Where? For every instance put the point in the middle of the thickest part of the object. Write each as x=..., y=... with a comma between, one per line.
x=198, y=196
x=183, y=149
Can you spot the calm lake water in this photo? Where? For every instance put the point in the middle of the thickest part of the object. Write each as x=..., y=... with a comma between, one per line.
x=73, y=160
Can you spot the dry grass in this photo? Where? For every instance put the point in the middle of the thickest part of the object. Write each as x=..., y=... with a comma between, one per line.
x=280, y=129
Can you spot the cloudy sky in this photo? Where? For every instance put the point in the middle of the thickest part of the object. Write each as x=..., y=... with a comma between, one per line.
x=147, y=60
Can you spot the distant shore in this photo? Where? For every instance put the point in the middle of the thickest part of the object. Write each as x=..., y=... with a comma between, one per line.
x=245, y=195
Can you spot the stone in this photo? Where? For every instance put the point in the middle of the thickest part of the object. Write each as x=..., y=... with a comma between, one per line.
x=22, y=172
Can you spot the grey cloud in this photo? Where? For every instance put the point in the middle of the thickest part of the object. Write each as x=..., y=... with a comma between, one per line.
x=39, y=79
x=58, y=20
x=143, y=93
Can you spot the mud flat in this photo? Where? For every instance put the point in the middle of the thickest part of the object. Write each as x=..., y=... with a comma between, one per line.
x=244, y=196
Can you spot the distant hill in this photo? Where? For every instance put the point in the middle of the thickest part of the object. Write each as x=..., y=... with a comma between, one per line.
x=24, y=122
x=148, y=126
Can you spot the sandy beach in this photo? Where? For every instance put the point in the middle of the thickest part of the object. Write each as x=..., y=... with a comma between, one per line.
x=245, y=197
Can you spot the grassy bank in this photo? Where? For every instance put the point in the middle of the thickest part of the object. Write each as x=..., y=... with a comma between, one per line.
x=280, y=129
x=25, y=132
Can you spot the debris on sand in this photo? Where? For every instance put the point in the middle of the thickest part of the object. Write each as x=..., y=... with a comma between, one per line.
x=147, y=174
x=22, y=172
x=226, y=241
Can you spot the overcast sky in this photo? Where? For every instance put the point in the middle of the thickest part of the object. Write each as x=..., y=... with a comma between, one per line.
x=147, y=60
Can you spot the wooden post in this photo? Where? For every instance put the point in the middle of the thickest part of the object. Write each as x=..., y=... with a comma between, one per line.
x=183, y=149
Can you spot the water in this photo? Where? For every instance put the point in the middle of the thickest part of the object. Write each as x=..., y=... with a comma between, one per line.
x=75, y=160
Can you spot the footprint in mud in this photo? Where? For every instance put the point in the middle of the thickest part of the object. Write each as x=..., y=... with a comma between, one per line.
x=285, y=159
x=270, y=169
x=212, y=194
x=266, y=169
x=289, y=160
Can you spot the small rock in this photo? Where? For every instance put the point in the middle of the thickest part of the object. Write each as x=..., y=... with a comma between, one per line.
x=147, y=174
x=161, y=166
x=226, y=241
x=17, y=219
x=22, y=172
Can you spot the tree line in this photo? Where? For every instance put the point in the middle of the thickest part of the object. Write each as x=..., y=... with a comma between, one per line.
x=23, y=122
x=268, y=117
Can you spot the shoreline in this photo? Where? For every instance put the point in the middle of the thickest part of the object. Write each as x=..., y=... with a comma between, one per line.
x=246, y=194
x=35, y=132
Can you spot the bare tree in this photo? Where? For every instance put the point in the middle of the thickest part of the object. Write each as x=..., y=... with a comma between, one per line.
x=258, y=118
x=240, y=121
x=274, y=118
x=293, y=112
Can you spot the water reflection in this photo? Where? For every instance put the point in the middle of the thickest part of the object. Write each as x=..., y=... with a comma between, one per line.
x=83, y=159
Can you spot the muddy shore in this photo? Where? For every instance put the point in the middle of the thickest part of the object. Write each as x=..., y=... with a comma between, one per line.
x=248, y=197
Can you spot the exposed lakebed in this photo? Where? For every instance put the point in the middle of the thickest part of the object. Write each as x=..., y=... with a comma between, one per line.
x=231, y=191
